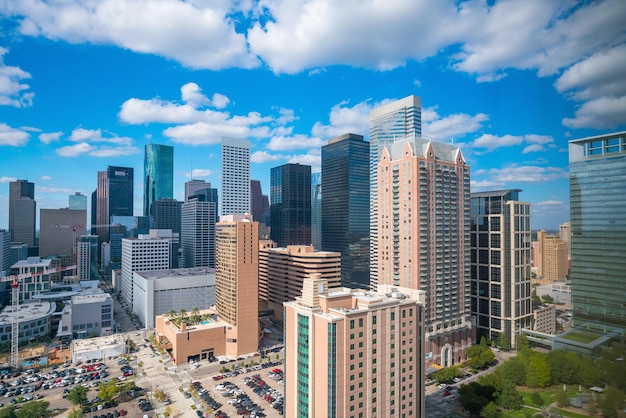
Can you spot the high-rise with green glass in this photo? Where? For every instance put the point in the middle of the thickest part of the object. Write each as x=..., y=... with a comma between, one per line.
x=598, y=231
x=158, y=174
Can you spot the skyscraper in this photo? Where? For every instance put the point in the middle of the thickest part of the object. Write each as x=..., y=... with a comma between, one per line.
x=88, y=258
x=59, y=231
x=22, y=212
x=316, y=210
x=388, y=123
x=166, y=214
x=550, y=258
x=290, y=204
x=500, y=256
x=598, y=225
x=144, y=253
x=349, y=353
x=158, y=174
x=114, y=197
x=198, y=218
x=236, y=281
x=424, y=237
x=235, y=176
x=5, y=252
x=346, y=206
x=259, y=202
x=77, y=201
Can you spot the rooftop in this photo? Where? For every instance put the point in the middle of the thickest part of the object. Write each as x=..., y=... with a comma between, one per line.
x=181, y=272
x=90, y=298
x=27, y=312
x=33, y=262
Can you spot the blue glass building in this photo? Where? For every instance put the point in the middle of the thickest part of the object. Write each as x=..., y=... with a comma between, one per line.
x=158, y=174
x=598, y=227
x=346, y=206
x=290, y=204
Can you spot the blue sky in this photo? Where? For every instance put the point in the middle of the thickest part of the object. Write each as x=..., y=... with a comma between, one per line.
x=86, y=84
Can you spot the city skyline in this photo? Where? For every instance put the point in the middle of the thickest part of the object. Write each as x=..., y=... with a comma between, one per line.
x=509, y=82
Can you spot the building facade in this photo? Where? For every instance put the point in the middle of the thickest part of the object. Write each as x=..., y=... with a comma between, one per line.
x=59, y=231
x=22, y=212
x=35, y=322
x=501, y=302
x=77, y=201
x=158, y=174
x=236, y=281
x=5, y=252
x=114, y=197
x=316, y=210
x=167, y=214
x=158, y=292
x=87, y=262
x=235, y=176
x=424, y=237
x=38, y=280
x=290, y=204
x=346, y=207
x=142, y=254
x=550, y=258
x=198, y=218
x=388, y=123
x=351, y=353
x=92, y=315
x=598, y=222
x=259, y=202
x=283, y=270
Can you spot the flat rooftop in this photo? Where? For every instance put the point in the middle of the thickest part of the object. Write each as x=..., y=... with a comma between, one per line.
x=182, y=272
x=90, y=298
x=27, y=312
x=100, y=343
x=33, y=262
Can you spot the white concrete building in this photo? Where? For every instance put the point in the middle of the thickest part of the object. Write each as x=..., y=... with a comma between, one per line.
x=159, y=291
x=92, y=314
x=34, y=321
x=235, y=176
x=142, y=254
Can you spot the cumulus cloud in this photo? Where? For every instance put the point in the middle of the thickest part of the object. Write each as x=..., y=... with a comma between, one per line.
x=199, y=35
x=93, y=143
x=95, y=135
x=74, y=150
x=451, y=126
x=199, y=172
x=313, y=158
x=599, y=113
x=5, y=179
x=537, y=143
x=345, y=119
x=54, y=190
x=49, y=137
x=46, y=178
x=526, y=174
x=264, y=157
x=12, y=136
x=13, y=92
x=281, y=143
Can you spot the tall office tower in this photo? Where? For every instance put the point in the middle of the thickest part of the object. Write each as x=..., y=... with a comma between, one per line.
x=349, y=353
x=500, y=258
x=235, y=176
x=236, y=281
x=114, y=198
x=598, y=222
x=283, y=270
x=59, y=231
x=77, y=201
x=5, y=252
x=346, y=207
x=158, y=174
x=40, y=270
x=290, y=204
x=144, y=253
x=88, y=258
x=316, y=210
x=424, y=238
x=551, y=260
x=197, y=237
x=22, y=211
x=259, y=202
x=166, y=214
x=565, y=233
x=94, y=212
x=388, y=123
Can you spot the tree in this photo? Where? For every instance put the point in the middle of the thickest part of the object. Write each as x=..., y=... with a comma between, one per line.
x=508, y=397
x=78, y=395
x=536, y=398
x=182, y=314
x=490, y=411
x=108, y=391
x=538, y=372
x=503, y=342
x=171, y=313
x=447, y=374
x=195, y=316
x=514, y=369
x=522, y=342
x=613, y=398
x=547, y=299
x=33, y=409
x=480, y=356
x=474, y=397
x=7, y=412
x=561, y=398
x=564, y=366
x=535, y=299
x=76, y=413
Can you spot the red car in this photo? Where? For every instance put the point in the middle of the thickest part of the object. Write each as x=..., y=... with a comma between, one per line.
x=446, y=393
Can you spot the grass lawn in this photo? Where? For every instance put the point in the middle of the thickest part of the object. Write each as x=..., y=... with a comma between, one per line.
x=580, y=336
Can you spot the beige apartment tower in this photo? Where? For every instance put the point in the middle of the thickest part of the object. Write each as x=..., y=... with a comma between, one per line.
x=354, y=353
x=236, y=281
x=550, y=258
x=283, y=270
x=424, y=237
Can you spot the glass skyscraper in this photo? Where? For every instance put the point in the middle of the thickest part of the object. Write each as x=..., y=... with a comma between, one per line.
x=22, y=211
x=346, y=206
x=158, y=174
x=389, y=123
x=290, y=204
x=316, y=210
x=598, y=230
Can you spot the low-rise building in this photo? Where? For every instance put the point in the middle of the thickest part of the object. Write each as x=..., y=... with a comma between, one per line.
x=98, y=348
x=157, y=292
x=92, y=314
x=34, y=321
x=545, y=319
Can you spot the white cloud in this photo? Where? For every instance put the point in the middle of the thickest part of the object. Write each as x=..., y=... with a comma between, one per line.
x=46, y=178
x=313, y=158
x=199, y=172
x=482, y=185
x=12, y=91
x=526, y=174
x=49, y=137
x=491, y=142
x=549, y=203
x=599, y=113
x=95, y=135
x=264, y=157
x=46, y=189
x=344, y=119
x=13, y=137
x=5, y=179
x=197, y=34
x=280, y=143
x=114, y=152
x=74, y=150
x=451, y=126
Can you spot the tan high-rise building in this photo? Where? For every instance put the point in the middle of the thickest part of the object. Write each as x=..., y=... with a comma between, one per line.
x=551, y=258
x=354, y=353
x=565, y=233
x=282, y=271
x=236, y=281
x=424, y=238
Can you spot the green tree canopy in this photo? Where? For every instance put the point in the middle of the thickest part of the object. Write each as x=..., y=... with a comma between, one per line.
x=446, y=375
x=108, y=391
x=514, y=369
x=490, y=411
x=538, y=372
x=32, y=409
x=78, y=395
x=480, y=356
x=474, y=397
x=508, y=397
x=564, y=366
x=7, y=412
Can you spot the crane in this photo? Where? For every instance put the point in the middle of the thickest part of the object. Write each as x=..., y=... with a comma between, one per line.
x=16, y=280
